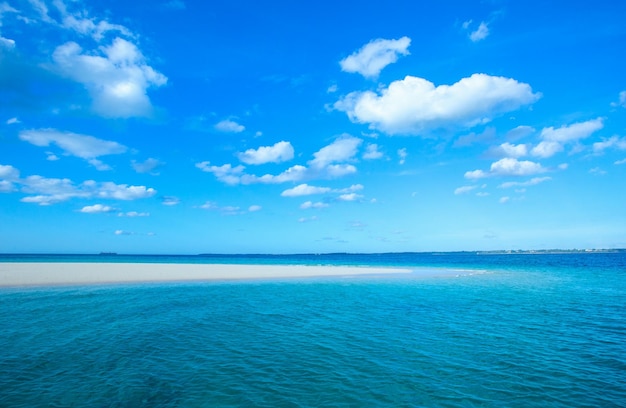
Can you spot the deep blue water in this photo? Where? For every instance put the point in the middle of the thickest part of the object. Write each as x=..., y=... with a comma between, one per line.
x=529, y=331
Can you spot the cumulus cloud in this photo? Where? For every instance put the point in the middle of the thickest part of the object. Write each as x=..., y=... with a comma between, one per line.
x=225, y=173
x=83, y=146
x=328, y=162
x=372, y=152
x=342, y=149
x=279, y=152
x=507, y=167
x=8, y=175
x=13, y=121
x=116, y=76
x=96, y=208
x=254, y=208
x=374, y=56
x=304, y=189
x=553, y=140
x=229, y=126
x=414, y=105
x=510, y=150
x=148, y=166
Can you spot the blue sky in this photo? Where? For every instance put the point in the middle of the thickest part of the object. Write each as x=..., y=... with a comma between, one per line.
x=235, y=127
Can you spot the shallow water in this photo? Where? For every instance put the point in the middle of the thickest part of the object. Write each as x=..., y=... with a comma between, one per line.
x=546, y=336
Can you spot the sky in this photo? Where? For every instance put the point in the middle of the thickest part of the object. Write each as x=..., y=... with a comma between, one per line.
x=184, y=127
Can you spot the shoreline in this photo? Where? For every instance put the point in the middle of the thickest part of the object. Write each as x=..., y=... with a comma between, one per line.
x=16, y=274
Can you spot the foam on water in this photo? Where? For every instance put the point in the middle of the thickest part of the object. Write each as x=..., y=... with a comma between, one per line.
x=543, y=337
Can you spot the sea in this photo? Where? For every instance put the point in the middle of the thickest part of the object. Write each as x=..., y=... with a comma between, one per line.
x=490, y=330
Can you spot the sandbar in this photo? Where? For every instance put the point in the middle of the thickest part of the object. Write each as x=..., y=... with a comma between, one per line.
x=70, y=273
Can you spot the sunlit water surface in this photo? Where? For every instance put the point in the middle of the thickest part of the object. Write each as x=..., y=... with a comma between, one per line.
x=552, y=334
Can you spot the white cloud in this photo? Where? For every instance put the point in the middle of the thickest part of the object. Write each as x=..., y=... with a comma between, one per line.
x=292, y=174
x=350, y=197
x=372, y=152
x=612, y=142
x=8, y=175
x=532, y=182
x=117, y=77
x=572, y=133
x=96, y=208
x=209, y=205
x=546, y=149
x=133, y=214
x=553, y=140
x=170, y=201
x=622, y=100
x=519, y=133
x=507, y=167
x=279, y=152
x=351, y=189
x=148, y=166
x=309, y=219
x=485, y=136
x=310, y=204
x=511, y=150
x=402, y=154
x=374, y=56
x=342, y=149
x=464, y=189
x=414, y=105
x=225, y=173
x=480, y=33
x=229, y=126
x=618, y=162
x=504, y=200
x=13, y=121
x=229, y=209
x=597, y=171
x=83, y=146
x=304, y=189
x=9, y=172
x=325, y=164
x=46, y=191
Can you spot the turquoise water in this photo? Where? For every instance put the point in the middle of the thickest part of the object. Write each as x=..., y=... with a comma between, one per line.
x=528, y=331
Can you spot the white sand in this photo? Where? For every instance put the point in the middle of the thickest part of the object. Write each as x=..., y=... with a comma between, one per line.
x=36, y=273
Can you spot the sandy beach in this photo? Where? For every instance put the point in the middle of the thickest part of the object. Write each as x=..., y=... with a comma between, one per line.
x=36, y=273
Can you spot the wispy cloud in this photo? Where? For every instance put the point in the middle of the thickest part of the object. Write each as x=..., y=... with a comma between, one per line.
x=83, y=146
